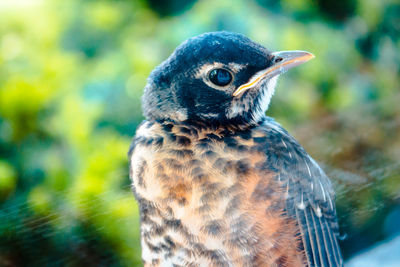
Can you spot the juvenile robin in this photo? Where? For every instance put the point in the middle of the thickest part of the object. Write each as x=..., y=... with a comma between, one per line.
x=219, y=183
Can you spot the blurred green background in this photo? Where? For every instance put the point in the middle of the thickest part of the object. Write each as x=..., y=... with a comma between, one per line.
x=71, y=76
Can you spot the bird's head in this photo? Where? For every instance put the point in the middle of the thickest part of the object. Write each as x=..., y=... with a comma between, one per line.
x=217, y=77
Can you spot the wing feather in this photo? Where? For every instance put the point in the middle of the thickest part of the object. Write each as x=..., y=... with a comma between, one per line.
x=305, y=236
x=310, y=197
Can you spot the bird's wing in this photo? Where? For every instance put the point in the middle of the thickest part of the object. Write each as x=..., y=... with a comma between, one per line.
x=310, y=197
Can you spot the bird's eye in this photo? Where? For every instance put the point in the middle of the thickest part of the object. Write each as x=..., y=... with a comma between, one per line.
x=220, y=77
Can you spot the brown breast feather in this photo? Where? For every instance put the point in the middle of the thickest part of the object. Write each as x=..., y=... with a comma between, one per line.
x=205, y=200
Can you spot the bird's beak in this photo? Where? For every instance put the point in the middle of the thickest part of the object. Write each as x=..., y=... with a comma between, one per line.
x=283, y=61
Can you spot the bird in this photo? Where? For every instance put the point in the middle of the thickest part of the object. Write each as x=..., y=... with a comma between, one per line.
x=217, y=181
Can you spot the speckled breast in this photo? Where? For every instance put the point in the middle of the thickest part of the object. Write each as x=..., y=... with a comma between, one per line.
x=208, y=198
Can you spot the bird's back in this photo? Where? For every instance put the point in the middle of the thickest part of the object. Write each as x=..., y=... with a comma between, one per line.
x=215, y=196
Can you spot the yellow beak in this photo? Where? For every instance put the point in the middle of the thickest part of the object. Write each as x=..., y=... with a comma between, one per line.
x=284, y=60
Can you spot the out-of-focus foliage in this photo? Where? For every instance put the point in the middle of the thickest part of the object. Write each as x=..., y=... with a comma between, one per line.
x=71, y=77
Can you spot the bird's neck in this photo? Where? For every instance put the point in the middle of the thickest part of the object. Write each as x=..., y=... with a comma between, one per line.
x=233, y=125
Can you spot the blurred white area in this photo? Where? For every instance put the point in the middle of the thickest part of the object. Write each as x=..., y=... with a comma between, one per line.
x=385, y=254
x=7, y=4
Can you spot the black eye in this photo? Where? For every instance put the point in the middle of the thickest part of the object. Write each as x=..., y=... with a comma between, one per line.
x=220, y=77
